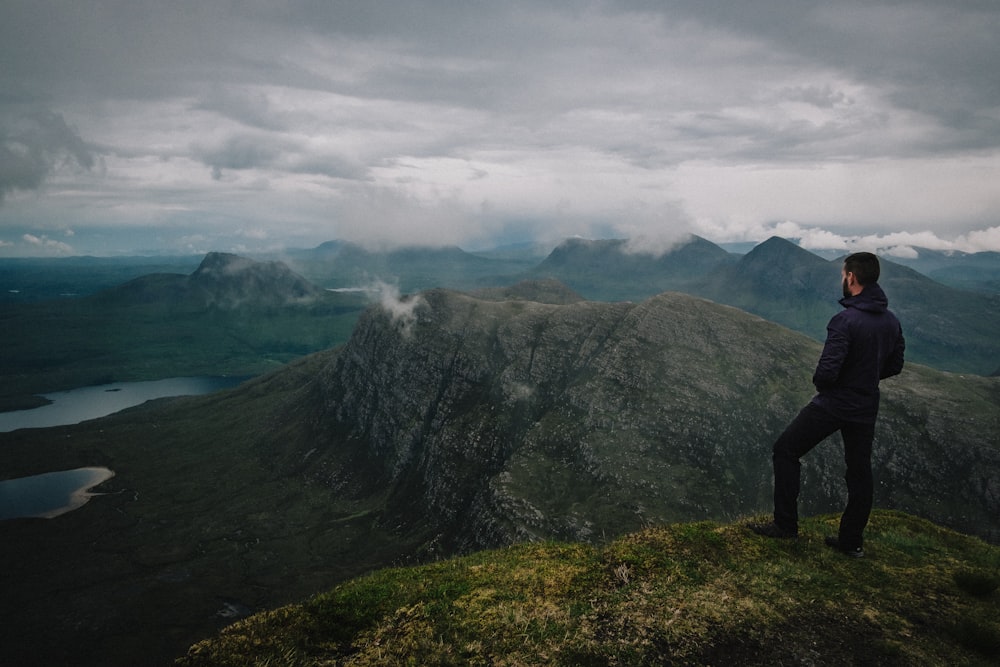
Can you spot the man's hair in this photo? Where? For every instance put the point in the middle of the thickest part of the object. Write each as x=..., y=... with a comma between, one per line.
x=864, y=266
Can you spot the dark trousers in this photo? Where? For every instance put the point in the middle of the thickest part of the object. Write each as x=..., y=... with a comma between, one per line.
x=807, y=430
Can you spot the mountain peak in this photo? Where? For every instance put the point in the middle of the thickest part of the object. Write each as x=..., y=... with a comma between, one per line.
x=617, y=269
x=226, y=280
x=224, y=261
x=776, y=258
x=777, y=247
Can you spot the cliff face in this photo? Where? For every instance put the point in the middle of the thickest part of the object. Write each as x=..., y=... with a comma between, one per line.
x=496, y=421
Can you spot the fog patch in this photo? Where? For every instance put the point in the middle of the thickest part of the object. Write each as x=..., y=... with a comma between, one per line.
x=656, y=245
x=401, y=309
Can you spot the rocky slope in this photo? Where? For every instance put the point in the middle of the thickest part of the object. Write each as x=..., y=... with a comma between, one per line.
x=504, y=421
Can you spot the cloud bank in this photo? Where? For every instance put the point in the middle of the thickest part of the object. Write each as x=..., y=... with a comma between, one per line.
x=180, y=127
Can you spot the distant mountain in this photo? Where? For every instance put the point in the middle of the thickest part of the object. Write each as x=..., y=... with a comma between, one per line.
x=947, y=328
x=781, y=282
x=979, y=271
x=229, y=281
x=447, y=424
x=614, y=270
x=339, y=264
x=528, y=252
x=222, y=280
x=231, y=316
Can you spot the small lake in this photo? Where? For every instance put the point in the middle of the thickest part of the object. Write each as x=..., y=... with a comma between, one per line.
x=77, y=405
x=49, y=494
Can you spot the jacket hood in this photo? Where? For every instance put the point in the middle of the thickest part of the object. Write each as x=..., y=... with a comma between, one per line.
x=871, y=299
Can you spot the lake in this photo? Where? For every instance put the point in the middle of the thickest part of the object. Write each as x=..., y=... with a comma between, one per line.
x=77, y=405
x=53, y=493
x=49, y=494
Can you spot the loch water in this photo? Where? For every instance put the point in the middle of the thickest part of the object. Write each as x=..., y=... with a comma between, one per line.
x=50, y=494
x=53, y=493
x=77, y=405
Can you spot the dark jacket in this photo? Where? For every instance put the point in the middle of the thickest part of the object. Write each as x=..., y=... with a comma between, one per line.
x=864, y=344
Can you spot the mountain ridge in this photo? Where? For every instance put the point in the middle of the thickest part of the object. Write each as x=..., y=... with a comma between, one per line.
x=618, y=269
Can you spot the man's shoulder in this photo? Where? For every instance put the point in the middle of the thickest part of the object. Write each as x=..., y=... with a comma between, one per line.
x=850, y=315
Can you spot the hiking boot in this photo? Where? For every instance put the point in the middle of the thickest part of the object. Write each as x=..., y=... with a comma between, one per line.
x=852, y=552
x=773, y=530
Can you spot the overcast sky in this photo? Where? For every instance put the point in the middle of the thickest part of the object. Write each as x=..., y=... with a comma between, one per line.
x=188, y=126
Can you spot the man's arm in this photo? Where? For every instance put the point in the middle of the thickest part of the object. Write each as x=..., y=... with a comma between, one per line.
x=833, y=356
x=894, y=362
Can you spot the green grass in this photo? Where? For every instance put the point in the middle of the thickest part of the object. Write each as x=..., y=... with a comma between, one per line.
x=697, y=593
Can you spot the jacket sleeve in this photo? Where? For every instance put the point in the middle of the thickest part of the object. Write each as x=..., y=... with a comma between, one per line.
x=834, y=353
x=894, y=362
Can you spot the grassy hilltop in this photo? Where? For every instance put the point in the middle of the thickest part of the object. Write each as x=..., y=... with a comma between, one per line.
x=695, y=593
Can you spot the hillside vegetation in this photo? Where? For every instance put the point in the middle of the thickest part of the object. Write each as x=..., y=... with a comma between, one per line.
x=692, y=594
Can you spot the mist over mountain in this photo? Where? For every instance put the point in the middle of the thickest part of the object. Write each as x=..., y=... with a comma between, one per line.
x=342, y=264
x=947, y=328
x=237, y=315
x=228, y=281
x=222, y=280
x=618, y=270
x=978, y=271
x=446, y=425
x=230, y=316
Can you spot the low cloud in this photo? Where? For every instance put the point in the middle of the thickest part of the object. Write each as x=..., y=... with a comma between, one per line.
x=33, y=145
x=402, y=310
x=894, y=244
x=46, y=246
x=473, y=125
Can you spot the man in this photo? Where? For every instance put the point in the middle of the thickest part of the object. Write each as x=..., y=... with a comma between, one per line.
x=864, y=344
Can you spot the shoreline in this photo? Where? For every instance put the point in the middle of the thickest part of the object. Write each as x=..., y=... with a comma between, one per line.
x=93, y=476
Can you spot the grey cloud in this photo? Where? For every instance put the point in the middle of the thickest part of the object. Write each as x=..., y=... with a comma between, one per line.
x=931, y=58
x=273, y=151
x=554, y=100
x=252, y=108
x=825, y=96
x=32, y=145
x=243, y=152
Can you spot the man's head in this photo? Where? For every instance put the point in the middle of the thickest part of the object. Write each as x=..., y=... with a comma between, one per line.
x=860, y=270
